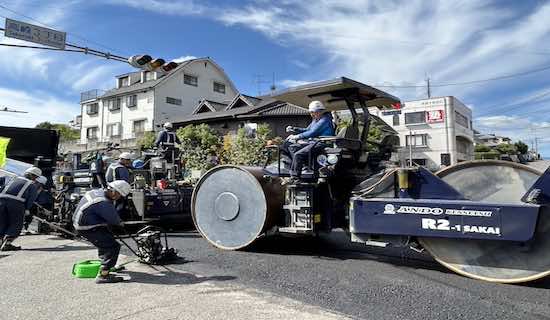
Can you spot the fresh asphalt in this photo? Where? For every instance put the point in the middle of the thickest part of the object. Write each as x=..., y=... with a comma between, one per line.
x=366, y=283
x=362, y=282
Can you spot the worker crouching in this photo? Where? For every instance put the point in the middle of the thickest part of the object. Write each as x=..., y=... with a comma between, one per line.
x=92, y=218
x=17, y=196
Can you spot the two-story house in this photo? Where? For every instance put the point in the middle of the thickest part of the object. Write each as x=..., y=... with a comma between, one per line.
x=142, y=101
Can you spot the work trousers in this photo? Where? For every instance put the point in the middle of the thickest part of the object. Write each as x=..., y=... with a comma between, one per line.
x=300, y=153
x=12, y=215
x=107, y=246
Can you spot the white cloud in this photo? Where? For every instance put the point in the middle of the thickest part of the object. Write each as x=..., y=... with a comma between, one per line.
x=292, y=83
x=183, y=58
x=39, y=105
x=183, y=7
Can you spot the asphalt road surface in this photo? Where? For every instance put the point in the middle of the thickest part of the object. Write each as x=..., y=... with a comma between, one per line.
x=361, y=282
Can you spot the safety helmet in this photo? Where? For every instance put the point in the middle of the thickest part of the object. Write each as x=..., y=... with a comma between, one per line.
x=125, y=156
x=121, y=187
x=34, y=171
x=167, y=125
x=316, y=106
x=42, y=180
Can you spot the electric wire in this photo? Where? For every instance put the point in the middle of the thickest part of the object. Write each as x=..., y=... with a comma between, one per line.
x=47, y=26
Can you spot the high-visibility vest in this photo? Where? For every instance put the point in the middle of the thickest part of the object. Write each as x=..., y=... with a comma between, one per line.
x=90, y=198
x=110, y=175
x=170, y=139
x=16, y=188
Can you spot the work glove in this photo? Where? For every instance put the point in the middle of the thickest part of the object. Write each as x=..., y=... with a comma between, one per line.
x=289, y=129
x=293, y=137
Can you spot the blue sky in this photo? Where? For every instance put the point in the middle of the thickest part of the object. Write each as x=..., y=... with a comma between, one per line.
x=391, y=43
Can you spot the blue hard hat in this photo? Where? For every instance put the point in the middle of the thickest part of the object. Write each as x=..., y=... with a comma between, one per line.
x=138, y=163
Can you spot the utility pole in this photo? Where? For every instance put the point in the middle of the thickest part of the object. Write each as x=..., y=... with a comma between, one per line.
x=429, y=89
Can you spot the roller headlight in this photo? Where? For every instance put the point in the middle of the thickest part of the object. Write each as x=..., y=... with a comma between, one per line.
x=322, y=160
x=332, y=159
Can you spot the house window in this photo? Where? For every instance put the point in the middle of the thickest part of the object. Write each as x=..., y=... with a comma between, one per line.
x=190, y=80
x=418, y=140
x=131, y=101
x=148, y=76
x=91, y=133
x=219, y=87
x=139, y=126
x=113, y=130
x=113, y=104
x=92, y=108
x=173, y=101
x=124, y=81
x=395, y=119
x=415, y=117
x=461, y=119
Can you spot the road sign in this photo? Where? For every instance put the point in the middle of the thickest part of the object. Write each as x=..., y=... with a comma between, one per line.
x=29, y=32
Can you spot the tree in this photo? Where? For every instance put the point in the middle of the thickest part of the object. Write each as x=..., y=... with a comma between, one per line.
x=521, y=147
x=481, y=148
x=506, y=148
x=66, y=133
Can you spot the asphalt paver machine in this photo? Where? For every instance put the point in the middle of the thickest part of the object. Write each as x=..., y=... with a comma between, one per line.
x=487, y=220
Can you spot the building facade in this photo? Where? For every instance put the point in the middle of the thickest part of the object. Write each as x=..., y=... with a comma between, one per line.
x=142, y=101
x=437, y=131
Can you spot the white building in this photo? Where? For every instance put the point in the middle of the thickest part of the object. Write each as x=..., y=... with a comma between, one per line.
x=142, y=101
x=439, y=131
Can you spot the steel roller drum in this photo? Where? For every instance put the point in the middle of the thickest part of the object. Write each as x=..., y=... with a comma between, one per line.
x=495, y=261
x=232, y=205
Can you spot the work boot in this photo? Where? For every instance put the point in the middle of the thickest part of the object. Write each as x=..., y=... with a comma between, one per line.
x=109, y=278
x=7, y=246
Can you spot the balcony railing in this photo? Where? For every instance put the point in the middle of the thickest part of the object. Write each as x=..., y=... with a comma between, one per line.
x=91, y=95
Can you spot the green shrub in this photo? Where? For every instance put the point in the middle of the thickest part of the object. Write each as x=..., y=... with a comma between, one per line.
x=200, y=146
x=147, y=141
x=249, y=150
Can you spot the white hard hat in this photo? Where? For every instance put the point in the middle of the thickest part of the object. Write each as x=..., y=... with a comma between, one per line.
x=121, y=187
x=315, y=106
x=126, y=156
x=34, y=171
x=42, y=180
x=168, y=125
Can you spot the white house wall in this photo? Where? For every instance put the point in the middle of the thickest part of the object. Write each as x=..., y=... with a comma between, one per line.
x=190, y=96
x=127, y=115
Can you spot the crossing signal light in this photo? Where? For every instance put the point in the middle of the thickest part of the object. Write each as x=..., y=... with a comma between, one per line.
x=155, y=64
x=169, y=66
x=140, y=61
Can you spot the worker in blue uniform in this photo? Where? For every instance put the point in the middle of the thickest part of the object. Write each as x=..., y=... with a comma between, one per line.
x=321, y=125
x=166, y=141
x=119, y=170
x=44, y=199
x=16, y=198
x=92, y=218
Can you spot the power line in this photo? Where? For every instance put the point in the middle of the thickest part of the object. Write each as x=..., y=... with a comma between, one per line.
x=45, y=25
x=469, y=82
x=500, y=107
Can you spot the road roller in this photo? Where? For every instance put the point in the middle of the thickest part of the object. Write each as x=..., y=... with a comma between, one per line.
x=487, y=220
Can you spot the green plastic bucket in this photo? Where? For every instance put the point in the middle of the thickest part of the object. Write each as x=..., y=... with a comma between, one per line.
x=86, y=269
